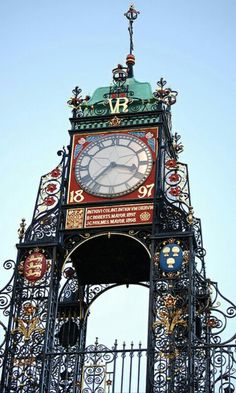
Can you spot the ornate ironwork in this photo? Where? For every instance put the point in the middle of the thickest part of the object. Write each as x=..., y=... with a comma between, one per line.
x=21, y=230
x=191, y=347
x=164, y=95
x=76, y=102
x=176, y=183
x=45, y=220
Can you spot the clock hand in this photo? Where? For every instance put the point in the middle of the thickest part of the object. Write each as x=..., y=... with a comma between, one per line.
x=111, y=165
x=115, y=165
x=131, y=167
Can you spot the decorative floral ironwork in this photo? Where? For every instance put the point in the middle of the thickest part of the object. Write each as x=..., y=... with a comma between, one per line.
x=46, y=214
x=165, y=95
x=170, y=320
x=29, y=324
x=76, y=101
x=176, y=184
x=178, y=147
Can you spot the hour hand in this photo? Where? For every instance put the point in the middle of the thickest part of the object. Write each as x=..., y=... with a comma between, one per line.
x=104, y=171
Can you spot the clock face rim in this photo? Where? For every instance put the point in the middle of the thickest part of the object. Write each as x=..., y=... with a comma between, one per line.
x=129, y=190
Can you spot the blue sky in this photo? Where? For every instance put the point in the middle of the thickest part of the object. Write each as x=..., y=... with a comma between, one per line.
x=49, y=47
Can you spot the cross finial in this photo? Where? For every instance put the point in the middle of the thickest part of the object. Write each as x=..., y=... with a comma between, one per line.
x=131, y=15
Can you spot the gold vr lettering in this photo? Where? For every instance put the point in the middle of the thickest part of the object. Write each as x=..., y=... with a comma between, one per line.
x=121, y=102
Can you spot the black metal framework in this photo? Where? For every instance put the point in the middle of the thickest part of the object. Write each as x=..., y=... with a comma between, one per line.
x=44, y=327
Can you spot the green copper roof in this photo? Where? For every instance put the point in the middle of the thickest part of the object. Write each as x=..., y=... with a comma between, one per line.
x=140, y=90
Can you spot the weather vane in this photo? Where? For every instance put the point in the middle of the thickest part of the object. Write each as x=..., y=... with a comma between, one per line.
x=131, y=15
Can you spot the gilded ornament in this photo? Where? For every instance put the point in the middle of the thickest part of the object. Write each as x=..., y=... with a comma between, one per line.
x=21, y=230
x=24, y=362
x=170, y=301
x=186, y=256
x=190, y=216
x=170, y=275
x=115, y=121
x=169, y=355
x=145, y=216
x=29, y=309
x=170, y=320
x=74, y=218
x=28, y=326
x=212, y=323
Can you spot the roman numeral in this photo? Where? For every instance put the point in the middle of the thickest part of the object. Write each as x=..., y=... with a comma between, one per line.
x=115, y=141
x=87, y=179
x=83, y=168
x=95, y=187
x=111, y=190
x=100, y=144
x=139, y=175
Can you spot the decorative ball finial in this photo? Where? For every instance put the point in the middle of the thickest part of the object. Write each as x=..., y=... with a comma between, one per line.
x=130, y=60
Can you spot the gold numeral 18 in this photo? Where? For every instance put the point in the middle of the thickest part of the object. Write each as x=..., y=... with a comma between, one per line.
x=76, y=196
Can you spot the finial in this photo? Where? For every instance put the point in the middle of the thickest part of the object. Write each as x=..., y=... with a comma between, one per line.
x=131, y=15
x=190, y=216
x=165, y=95
x=120, y=75
x=21, y=230
x=76, y=101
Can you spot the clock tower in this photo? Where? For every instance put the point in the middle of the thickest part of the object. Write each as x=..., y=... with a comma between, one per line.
x=116, y=210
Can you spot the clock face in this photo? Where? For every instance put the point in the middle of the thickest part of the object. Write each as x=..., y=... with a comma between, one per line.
x=113, y=165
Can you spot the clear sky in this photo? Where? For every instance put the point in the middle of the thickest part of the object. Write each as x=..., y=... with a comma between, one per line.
x=49, y=47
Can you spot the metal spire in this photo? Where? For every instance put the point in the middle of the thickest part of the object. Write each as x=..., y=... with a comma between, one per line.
x=131, y=15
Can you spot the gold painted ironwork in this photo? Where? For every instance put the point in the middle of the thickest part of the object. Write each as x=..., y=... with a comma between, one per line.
x=170, y=320
x=28, y=326
x=21, y=230
x=169, y=355
x=170, y=301
x=190, y=216
x=24, y=361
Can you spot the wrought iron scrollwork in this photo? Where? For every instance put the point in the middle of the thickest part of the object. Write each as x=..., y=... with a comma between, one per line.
x=176, y=184
x=46, y=215
x=171, y=218
x=165, y=95
x=5, y=302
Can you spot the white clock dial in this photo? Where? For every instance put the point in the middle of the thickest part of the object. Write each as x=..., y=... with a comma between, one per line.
x=113, y=165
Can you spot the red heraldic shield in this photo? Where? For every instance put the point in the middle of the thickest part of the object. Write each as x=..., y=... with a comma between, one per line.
x=35, y=266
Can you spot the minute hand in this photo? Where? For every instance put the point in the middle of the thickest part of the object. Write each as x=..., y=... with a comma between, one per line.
x=131, y=167
x=104, y=171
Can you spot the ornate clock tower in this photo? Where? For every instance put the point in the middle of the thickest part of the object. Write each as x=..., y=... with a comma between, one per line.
x=115, y=211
